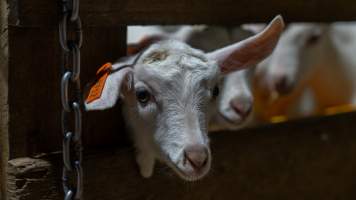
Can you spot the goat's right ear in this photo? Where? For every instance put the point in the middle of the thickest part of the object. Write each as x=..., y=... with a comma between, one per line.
x=250, y=51
x=109, y=94
x=253, y=28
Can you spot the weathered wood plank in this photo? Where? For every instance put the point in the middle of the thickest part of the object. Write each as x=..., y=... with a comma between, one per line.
x=31, y=179
x=309, y=159
x=4, y=152
x=34, y=77
x=112, y=12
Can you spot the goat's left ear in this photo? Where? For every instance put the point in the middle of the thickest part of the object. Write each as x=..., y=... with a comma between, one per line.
x=250, y=51
x=105, y=96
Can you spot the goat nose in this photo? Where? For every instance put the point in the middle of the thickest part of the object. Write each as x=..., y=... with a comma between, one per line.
x=243, y=108
x=283, y=86
x=196, y=156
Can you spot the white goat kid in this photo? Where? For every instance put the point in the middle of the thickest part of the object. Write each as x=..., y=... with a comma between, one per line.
x=168, y=99
x=235, y=101
x=281, y=81
x=310, y=59
x=298, y=49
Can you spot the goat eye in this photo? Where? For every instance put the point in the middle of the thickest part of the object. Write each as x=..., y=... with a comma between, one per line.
x=216, y=91
x=142, y=95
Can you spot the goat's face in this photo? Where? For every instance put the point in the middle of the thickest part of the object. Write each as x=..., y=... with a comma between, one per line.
x=295, y=55
x=174, y=85
x=235, y=103
x=170, y=93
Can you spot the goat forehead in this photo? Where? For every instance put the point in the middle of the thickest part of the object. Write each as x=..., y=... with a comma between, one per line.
x=174, y=63
x=178, y=85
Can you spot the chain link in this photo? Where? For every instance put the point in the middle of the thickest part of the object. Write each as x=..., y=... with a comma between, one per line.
x=70, y=39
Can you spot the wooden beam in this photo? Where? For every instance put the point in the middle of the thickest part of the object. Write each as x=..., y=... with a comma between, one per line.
x=4, y=109
x=308, y=159
x=35, y=13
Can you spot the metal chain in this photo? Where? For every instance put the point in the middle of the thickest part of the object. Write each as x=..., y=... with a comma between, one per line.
x=70, y=39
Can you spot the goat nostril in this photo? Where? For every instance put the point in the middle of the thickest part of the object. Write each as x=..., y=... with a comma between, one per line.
x=196, y=156
x=243, y=109
x=283, y=86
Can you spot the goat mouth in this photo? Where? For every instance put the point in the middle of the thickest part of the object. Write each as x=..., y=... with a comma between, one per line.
x=188, y=176
x=230, y=121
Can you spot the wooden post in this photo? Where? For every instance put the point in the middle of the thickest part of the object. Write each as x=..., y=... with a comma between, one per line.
x=4, y=151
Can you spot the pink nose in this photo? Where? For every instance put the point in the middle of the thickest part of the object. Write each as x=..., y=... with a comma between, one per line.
x=242, y=108
x=196, y=156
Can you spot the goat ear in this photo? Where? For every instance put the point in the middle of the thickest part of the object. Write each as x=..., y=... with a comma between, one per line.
x=250, y=51
x=113, y=87
x=253, y=28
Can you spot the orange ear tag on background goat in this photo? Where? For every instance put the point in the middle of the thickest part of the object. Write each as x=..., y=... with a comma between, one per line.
x=97, y=89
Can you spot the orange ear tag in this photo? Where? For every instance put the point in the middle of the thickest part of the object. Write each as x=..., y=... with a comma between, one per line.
x=97, y=89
